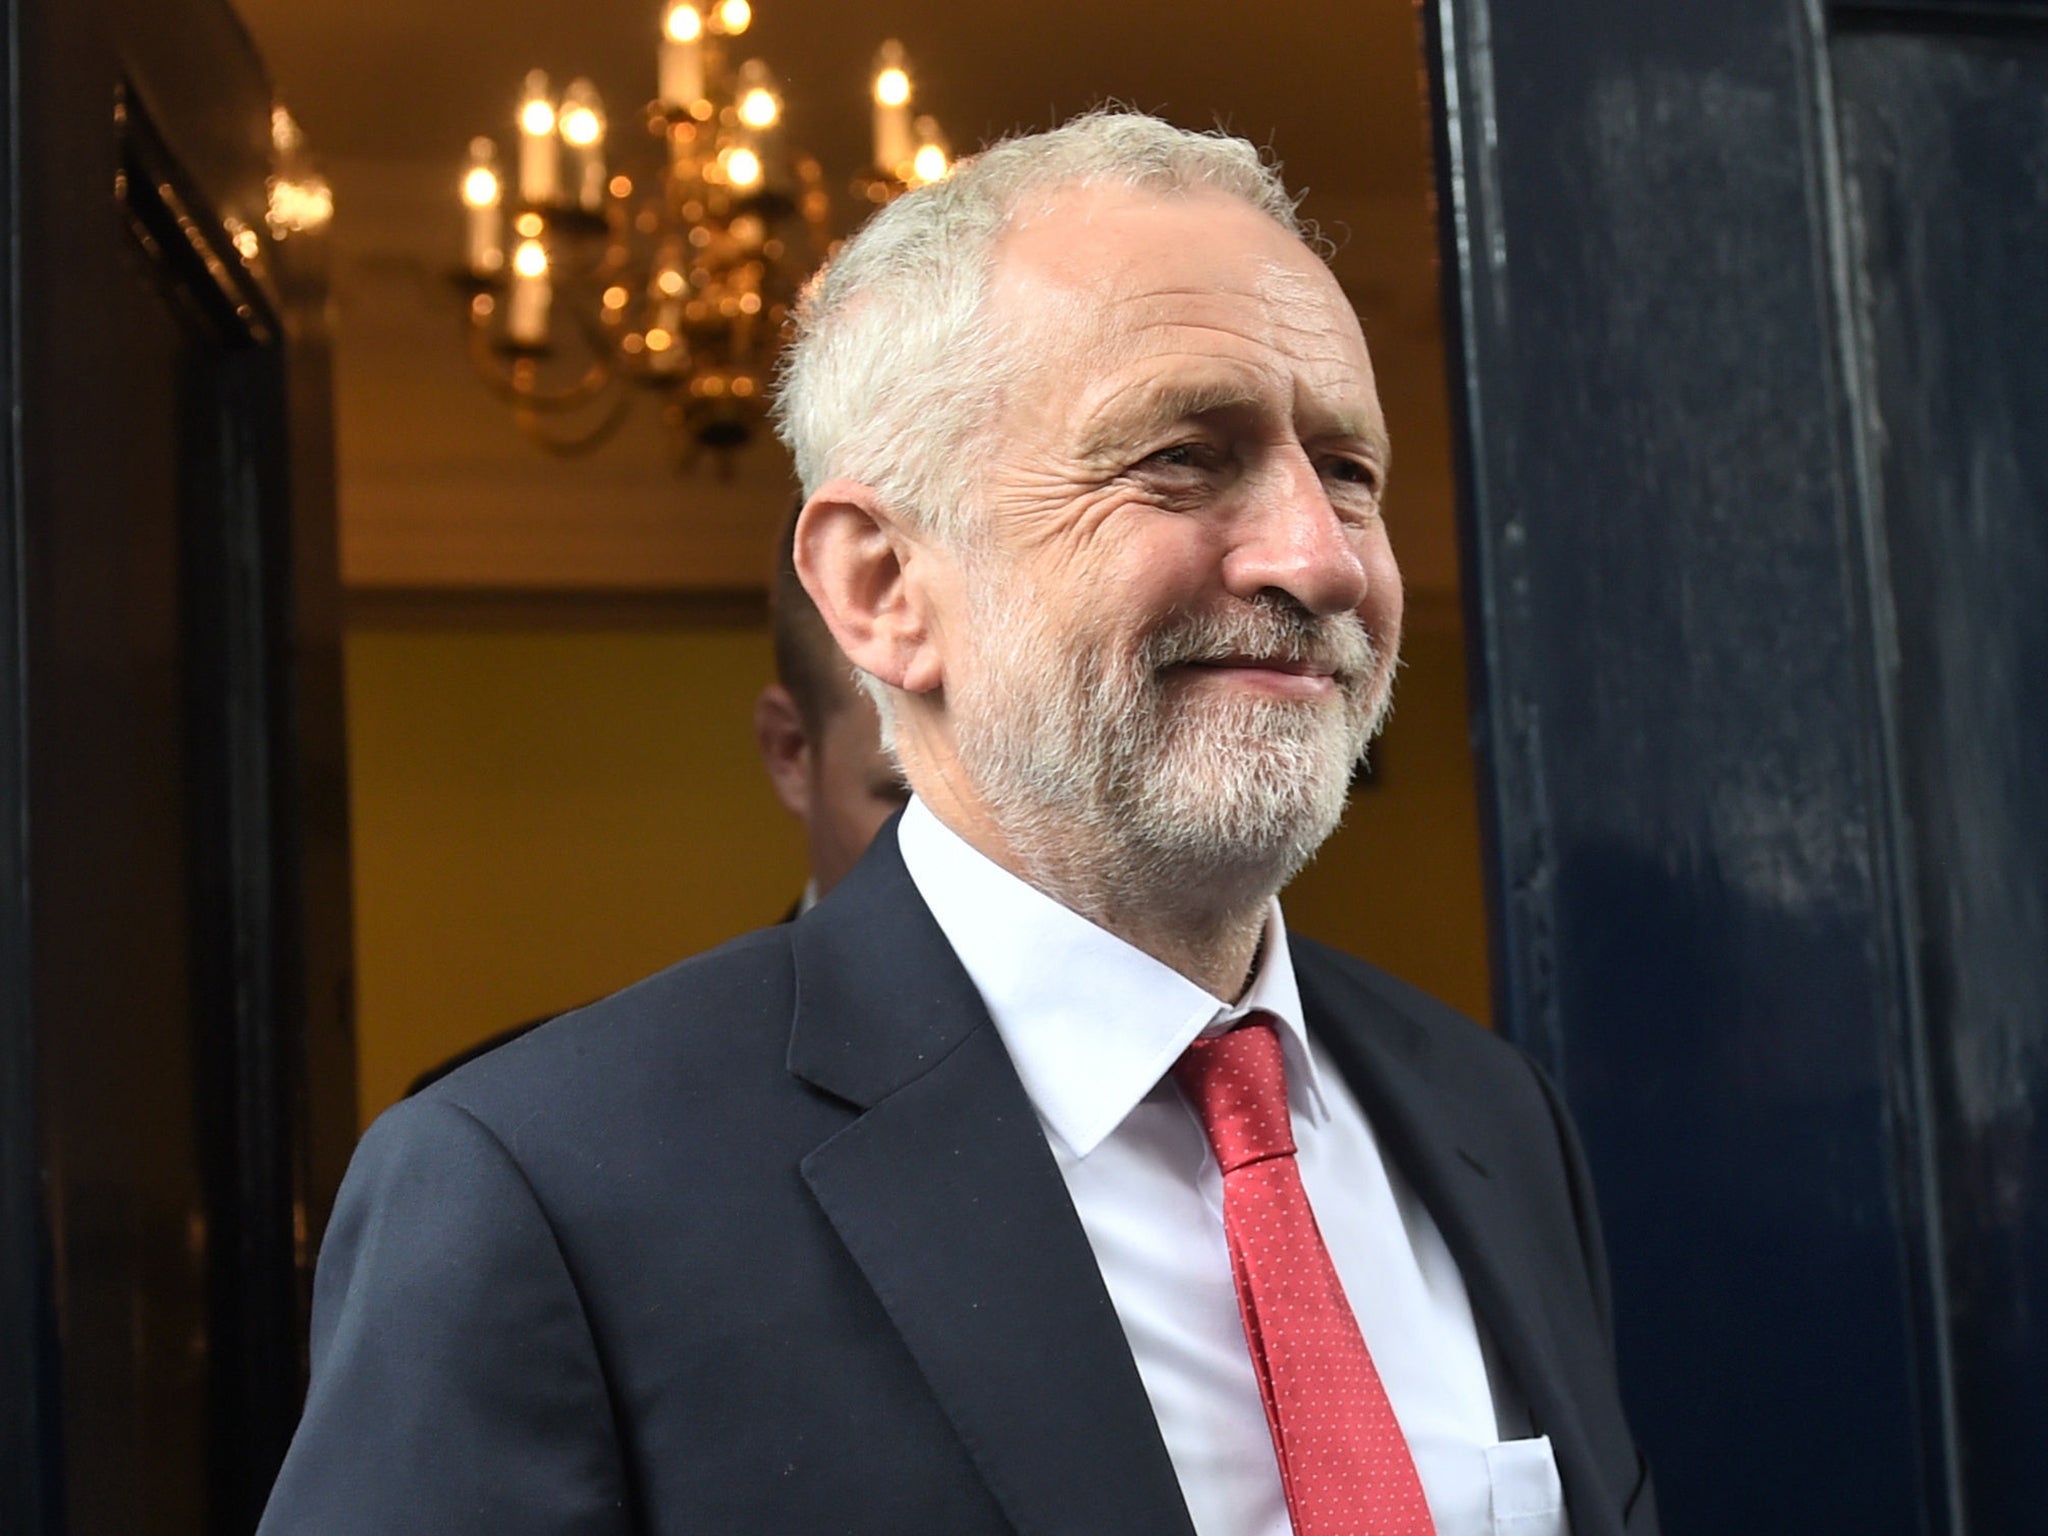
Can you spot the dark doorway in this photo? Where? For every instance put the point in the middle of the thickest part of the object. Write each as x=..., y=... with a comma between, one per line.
x=1751, y=334
x=176, y=1073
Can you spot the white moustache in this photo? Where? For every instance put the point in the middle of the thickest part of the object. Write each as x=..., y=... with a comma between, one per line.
x=1339, y=646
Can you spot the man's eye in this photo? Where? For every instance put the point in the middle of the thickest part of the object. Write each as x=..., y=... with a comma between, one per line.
x=1353, y=472
x=1181, y=456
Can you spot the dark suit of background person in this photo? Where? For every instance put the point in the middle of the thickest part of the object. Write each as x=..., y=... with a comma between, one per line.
x=776, y=1241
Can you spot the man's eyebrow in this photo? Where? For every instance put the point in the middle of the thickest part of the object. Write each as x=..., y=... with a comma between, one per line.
x=1130, y=420
x=1159, y=407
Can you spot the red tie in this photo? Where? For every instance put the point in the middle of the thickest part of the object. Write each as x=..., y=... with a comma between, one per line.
x=1344, y=1464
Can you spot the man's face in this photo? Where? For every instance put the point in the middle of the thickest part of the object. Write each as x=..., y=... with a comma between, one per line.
x=1178, y=628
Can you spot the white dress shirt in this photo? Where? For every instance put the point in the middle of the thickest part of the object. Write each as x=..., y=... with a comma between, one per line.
x=1094, y=1025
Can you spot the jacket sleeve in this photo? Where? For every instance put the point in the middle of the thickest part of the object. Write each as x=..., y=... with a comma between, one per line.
x=456, y=1384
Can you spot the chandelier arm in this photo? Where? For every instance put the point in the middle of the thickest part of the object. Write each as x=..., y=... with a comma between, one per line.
x=504, y=382
x=573, y=445
x=604, y=347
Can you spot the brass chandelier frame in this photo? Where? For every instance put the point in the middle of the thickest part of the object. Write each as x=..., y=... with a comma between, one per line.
x=675, y=274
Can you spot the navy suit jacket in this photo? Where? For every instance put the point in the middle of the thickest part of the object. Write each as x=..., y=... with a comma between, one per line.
x=773, y=1242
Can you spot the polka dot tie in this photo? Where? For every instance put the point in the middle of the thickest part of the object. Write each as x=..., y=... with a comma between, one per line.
x=1344, y=1464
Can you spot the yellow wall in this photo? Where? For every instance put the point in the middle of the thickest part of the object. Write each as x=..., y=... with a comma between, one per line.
x=1401, y=882
x=541, y=816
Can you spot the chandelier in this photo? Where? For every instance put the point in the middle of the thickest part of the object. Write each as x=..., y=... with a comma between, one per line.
x=667, y=265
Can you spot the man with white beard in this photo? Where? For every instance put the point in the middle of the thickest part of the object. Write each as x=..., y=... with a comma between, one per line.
x=1038, y=1179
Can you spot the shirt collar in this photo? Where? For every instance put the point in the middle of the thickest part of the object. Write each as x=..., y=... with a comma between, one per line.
x=1091, y=1022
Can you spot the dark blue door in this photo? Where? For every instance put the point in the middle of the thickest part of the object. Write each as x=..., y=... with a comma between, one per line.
x=1751, y=303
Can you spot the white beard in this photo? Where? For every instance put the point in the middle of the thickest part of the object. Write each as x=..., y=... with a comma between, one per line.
x=1111, y=778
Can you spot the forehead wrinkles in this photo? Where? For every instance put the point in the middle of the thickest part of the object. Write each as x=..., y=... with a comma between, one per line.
x=1084, y=320
x=1311, y=318
x=1295, y=291
x=1145, y=378
x=1286, y=310
x=1261, y=290
x=1284, y=331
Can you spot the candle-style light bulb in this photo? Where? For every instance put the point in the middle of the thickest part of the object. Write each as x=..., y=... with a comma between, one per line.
x=484, y=195
x=539, y=149
x=582, y=122
x=682, y=55
x=743, y=168
x=735, y=16
x=934, y=157
x=527, y=321
x=894, y=146
x=684, y=22
x=582, y=129
x=759, y=108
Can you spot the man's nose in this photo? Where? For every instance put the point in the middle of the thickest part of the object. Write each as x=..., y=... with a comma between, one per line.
x=1288, y=538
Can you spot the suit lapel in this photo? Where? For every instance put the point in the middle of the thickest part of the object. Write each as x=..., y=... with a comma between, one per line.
x=1447, y=1153
x=947, y=1197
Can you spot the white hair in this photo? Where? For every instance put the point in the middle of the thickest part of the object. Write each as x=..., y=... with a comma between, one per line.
x=894, y=366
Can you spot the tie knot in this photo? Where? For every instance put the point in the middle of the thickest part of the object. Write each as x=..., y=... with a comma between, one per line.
x=1238, y=1085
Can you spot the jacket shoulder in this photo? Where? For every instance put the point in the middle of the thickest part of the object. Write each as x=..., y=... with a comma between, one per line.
x=720, y=1016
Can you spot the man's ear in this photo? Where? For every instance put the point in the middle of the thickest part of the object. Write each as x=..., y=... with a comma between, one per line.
x=785, y=749
x=863, y=568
